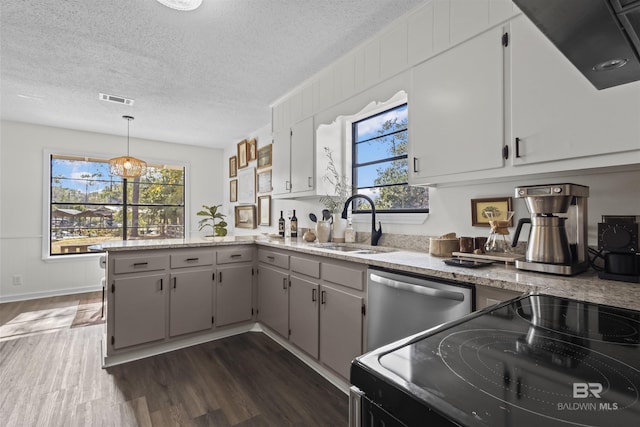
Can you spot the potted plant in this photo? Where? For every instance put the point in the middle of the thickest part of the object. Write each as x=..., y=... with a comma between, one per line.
x=214, y=219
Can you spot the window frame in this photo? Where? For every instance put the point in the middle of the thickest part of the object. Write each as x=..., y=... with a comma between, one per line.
x=47, y=199
x=384, y=109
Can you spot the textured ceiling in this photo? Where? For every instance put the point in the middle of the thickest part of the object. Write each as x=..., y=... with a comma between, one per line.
x=205, y=77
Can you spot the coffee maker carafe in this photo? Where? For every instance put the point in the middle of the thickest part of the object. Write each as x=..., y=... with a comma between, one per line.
x=558, y=238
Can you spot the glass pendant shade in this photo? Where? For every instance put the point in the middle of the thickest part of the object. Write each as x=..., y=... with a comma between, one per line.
x=127, y=166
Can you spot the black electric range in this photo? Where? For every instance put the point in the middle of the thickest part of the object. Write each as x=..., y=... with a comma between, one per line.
x=537, y=360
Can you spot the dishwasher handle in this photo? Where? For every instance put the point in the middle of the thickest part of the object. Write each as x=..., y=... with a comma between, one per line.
x=419, y=289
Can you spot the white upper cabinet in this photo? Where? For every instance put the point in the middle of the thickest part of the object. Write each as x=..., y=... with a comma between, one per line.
x=302, y=156
x=556, y=113
x=456, y=111
x=293, y=171
x=281, y=162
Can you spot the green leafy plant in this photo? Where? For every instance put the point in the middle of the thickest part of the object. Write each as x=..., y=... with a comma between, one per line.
x=214, y=219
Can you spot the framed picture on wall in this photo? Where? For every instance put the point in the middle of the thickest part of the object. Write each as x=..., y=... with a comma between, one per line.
x=264, y=157
x=245, y=216
x=233, y=190
x=233, y=166
x=252, y=149
x=247, y=186
x=498, y=206
x=243, y=161
x=264, y=210
x=264, y=182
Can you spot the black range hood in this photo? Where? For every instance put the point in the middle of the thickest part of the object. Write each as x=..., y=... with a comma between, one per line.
x=600, y=37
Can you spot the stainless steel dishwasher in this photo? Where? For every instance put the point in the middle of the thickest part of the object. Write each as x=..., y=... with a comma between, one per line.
x=399, y=304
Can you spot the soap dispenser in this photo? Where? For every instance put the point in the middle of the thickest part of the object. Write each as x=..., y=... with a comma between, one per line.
x=349, y=233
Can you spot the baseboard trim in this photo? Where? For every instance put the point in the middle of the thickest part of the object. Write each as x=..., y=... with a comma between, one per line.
x=47, y=294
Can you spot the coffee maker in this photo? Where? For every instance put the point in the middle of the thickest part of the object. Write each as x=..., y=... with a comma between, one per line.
x=557, y=241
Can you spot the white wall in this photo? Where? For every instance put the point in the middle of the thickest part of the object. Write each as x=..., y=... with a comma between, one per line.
x=21, y=212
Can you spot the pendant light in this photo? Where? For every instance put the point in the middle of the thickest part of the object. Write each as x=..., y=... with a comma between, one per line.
x=183, y=5
x=127, y=166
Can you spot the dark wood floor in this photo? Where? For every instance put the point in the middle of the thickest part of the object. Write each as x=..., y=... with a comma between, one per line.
x=55, y=379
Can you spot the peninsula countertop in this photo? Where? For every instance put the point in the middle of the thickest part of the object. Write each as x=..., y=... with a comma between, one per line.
x=584, y=287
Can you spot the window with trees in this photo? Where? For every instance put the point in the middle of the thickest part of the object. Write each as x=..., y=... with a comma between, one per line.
x=88, y=206
x=380, y=164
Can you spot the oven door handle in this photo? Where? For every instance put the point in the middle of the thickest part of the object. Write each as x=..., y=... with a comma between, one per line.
x=418, y=289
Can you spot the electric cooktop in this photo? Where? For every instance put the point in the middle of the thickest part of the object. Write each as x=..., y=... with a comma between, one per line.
x=537, y=360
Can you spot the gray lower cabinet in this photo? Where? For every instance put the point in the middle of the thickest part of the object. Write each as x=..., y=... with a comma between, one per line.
x=487, y=296
x=139, y=313
x=191, y=301
x=234, y=294
x=166, y=294
x=304, y=315
x=317, y=302
x=273, y=299
x=341, y=327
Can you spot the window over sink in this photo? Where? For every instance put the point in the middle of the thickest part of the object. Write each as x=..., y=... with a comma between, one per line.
x=87, y=206
x=380, y=164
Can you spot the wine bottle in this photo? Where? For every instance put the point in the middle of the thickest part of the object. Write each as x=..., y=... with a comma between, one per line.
x=281, y=225
x=294, y=225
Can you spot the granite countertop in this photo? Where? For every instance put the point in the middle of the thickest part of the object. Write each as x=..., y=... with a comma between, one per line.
x=585, y=287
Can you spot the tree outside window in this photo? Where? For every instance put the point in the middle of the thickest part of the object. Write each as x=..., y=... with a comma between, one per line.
x=380, y=164
x=88, y=206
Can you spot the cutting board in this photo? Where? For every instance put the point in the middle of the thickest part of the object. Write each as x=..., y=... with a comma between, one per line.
x=507, y=258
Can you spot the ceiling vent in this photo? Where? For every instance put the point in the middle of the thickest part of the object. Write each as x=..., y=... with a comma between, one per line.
x=116, y=99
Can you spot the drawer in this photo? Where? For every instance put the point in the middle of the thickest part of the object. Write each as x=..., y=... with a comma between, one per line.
x=184, y=258
x=240, y=254
x=305, y=266
x=141, y=263
x=343, y=275
x=273, y=258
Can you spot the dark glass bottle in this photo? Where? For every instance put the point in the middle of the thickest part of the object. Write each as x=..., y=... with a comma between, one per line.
x=294, y=225
x=281, y=225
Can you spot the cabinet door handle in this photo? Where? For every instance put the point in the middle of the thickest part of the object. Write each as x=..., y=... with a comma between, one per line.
x=284, y=283
x=310, y=182
x=161, y=284
x=236, y=255
x=313, y=295
x=517, y=148
x=220, y=277
x=192, y=259
x=323, y=297
x=175, y=282
x=287, y=185
x=415, y=164
x=140, y=264
x=271, y=257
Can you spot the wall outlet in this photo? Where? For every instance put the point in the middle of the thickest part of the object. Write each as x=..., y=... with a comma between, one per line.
x=17, y=280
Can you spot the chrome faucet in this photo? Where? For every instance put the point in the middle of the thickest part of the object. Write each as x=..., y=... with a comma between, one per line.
x=375, y=234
